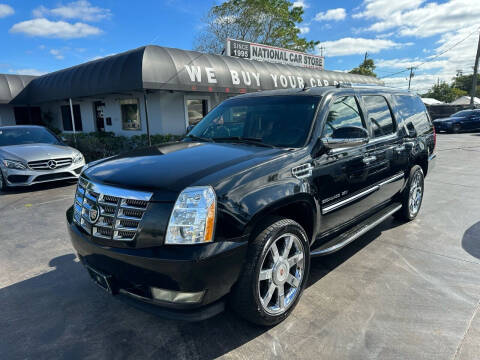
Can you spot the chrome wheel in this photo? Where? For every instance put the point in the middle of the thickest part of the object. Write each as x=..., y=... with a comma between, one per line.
x=416, y=193
x=281, y=274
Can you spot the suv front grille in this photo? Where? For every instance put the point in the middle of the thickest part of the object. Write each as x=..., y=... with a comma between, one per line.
x=120, y=211
x=50, y=164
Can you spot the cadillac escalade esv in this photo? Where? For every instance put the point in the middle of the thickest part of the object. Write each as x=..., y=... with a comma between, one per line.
x=233, y=213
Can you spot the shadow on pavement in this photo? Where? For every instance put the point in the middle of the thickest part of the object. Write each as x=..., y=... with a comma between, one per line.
x=471, y=240
x=38, y=187
x=61, y=314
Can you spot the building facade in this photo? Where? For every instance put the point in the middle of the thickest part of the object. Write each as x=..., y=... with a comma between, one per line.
x=151, y=89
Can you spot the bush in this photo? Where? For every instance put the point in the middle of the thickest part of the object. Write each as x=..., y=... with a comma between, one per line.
x=98, y=145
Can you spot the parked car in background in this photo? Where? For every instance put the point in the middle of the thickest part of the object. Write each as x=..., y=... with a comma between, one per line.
x=33, y=154
x=465, y=120
x=233, y=213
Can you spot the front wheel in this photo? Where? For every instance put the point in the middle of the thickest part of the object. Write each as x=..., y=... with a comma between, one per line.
x=274, y=275
x=3, y=183
x=412, y=195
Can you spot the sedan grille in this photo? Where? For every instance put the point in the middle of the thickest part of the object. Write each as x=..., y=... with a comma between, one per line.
x=50, y=164
x=107, y=212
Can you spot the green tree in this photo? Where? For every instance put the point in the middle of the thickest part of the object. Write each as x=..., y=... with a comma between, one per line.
x=444, y=92
x=270, y=22
x=365, y=68
x=464, y=82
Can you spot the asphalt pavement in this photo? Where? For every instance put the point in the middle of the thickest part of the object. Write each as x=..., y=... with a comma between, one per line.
x=402, y=291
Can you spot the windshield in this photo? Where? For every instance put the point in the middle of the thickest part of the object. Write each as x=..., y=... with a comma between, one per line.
x=26, y=135
x=282, y=121
x=462, y=113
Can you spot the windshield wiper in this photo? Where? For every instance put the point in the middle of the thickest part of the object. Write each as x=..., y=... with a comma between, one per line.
x=246, y=140
x=198, y=138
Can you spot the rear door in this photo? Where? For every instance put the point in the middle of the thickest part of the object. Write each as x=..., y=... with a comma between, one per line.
x=386, y=152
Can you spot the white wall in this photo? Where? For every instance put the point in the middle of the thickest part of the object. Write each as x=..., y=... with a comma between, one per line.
x=166, y=111
x=7, y=116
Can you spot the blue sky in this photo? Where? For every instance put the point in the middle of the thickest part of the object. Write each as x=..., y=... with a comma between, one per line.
x=44, y=36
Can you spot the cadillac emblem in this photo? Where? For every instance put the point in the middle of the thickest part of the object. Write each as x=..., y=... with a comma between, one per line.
x=94, y=214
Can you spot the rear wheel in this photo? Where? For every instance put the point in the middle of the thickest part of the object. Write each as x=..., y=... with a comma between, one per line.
x=412, y=195
x=275, y=274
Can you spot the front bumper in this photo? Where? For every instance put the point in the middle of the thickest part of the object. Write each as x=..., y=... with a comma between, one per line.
x=27, y=177
x=210, y=268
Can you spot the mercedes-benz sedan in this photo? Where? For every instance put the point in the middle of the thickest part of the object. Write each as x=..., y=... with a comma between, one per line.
x=33, y=154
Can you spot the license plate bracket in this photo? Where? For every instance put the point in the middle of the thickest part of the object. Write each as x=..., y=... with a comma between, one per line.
x=102, y=280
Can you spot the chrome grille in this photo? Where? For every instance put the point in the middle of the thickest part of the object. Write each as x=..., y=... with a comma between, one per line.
x=121, y=210
x=50, y=164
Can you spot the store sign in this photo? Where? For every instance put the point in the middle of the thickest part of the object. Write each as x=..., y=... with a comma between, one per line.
x=253, y=51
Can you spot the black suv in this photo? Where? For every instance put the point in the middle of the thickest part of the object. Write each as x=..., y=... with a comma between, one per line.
x=233, y=212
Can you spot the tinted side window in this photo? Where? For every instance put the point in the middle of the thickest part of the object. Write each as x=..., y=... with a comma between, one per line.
x=413, y=111
x=343, y=112
x=379, y=115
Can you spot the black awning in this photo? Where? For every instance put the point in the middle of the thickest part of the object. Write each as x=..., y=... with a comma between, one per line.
x=12, y=85
x=155, y=67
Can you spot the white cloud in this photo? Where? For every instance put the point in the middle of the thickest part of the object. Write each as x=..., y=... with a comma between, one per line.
x=27, y=72
x=412, y=19
x=385, y=8
x=304, y=29
x=331, y=15
x=301, y=3
x=81, y=9
x=6, y=10
x=442, y=66
x=55, y=29
x=406, y=63
x=351, y=46
x=57, y=53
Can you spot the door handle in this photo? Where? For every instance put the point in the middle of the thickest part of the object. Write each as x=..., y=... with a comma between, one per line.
x=400, y=148
x=367, y=160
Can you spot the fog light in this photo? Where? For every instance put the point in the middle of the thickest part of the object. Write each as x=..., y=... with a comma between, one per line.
x=177, y=296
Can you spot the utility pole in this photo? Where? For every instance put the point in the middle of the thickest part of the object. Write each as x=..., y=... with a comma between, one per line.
x=411, y=76
x=475, y=71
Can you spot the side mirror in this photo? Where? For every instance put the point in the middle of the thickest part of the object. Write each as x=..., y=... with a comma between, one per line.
x=411, y=132
x=346, y=137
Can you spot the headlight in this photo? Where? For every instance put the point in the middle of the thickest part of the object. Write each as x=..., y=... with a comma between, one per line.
x=193, y=217
x=12, y=164
x=78, y=158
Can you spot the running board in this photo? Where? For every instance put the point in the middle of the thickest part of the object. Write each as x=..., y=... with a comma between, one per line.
x=347, y=237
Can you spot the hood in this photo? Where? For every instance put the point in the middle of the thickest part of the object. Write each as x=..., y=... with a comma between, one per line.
x=34, y=152
x=172, y=167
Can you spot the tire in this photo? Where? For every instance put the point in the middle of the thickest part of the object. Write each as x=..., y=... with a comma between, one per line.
x=415, y=179
x=3, y=184
x=245, y=298
x=456, y=128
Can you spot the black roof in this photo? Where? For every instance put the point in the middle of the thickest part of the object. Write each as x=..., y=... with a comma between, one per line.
x=154, y=67
x=12, y=85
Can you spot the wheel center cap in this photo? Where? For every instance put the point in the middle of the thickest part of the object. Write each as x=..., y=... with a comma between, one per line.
x=280, y=273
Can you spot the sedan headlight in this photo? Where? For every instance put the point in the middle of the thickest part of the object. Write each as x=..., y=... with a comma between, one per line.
x=12, y=164
x=78, y=158
x=193, y=217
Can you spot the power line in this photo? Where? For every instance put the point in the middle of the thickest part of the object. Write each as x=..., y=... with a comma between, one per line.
x=431, y=59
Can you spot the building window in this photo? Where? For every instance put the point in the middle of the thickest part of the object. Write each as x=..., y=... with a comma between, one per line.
x=130, y=114
x=196, y=110
x=67, y=118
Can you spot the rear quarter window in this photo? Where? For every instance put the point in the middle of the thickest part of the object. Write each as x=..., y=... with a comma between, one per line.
x=413, y=111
